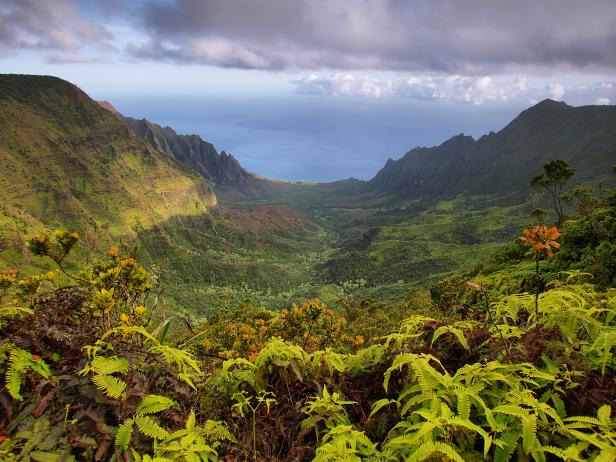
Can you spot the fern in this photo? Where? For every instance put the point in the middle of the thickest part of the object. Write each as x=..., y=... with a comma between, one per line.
x=152, y=404
x=234, y=374
x=428, y=449
x=286, y=359
x=328, y=408
x=107, y=366
x=344, y=443
x=194, y=443
x=326, y=361
x=600, y=352
x=123, y=435
x=112, y=386
x=20, y=362
x=456, y=332
x=149, y=427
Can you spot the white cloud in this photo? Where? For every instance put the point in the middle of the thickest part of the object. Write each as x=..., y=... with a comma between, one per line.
x=342, y=84
x=556, y=90
x=463, y=89
x=602, y=101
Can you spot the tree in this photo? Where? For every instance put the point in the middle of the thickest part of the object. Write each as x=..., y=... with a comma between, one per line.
x=555, y=175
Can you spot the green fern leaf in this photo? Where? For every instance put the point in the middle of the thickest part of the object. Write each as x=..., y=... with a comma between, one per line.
x=430, y=448
x=190, y=421
x=529, y=433
x=149, y=427
x=20, y=361
x=380, y=404
x=112, y=386
x=123, y=435
x=151, y=404
x=604, y=413
x=107, y=366
x=451, y=330
x=14, y=381
x=509, y=443
x=216, y=431
x=464, y=404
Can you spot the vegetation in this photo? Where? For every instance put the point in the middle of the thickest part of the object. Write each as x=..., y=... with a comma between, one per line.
x=474, y=369
x=555, y=175
x=314, y=326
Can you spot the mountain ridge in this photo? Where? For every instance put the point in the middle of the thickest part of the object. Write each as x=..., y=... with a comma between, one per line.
x=504, y=161
x=80, y=166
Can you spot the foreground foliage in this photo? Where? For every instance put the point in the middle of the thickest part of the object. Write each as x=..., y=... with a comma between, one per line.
x=93, y=371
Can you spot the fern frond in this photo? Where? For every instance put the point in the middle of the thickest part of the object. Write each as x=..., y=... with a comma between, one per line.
x=509, y=443
x=430, y=448
x=529, y=433
x=107, y=366
x=20, y=361
x=380, y=404
x=110, y=385
x=151, y=404
x=215, y=431
x=464, y=404
x=123, y=435
x=14, y=380
x=149, y=427
x=451, y=330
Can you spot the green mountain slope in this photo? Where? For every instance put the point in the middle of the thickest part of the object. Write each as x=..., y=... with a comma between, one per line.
x=232, y=182
x=68, y=162
x=219, y=168
x=504, y=162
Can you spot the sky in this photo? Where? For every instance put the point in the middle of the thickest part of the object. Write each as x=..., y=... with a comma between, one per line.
x=471, y=57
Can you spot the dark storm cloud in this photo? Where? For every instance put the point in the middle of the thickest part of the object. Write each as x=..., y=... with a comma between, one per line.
x=470, y=37
x=46, y=25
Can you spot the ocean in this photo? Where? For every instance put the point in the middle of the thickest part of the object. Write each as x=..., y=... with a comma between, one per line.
x=314, y=138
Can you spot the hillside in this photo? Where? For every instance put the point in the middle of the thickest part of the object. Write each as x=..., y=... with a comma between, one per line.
x=223, y=170
x=78, y=166
x=503, y=162
x=220, y=168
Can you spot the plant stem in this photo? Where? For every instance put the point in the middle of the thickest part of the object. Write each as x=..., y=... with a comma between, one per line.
x=254, y=435
x=485, y=297
x=538, y=282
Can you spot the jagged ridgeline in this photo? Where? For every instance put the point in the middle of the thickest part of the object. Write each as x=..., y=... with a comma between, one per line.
x=503, y=162
x=67, y=162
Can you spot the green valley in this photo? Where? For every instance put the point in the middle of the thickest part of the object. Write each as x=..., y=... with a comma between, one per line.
x=159, y=302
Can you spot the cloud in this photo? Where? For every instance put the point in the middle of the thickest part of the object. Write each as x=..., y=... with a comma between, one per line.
x=468, y=38
x=46, y=25
x=342, y=84
x=75, y=58
x=556, y=91
x=475, y=90
x=463, y=89
x=602, y=101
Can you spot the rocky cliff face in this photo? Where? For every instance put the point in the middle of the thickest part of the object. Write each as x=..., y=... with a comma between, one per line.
x=221, y=169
